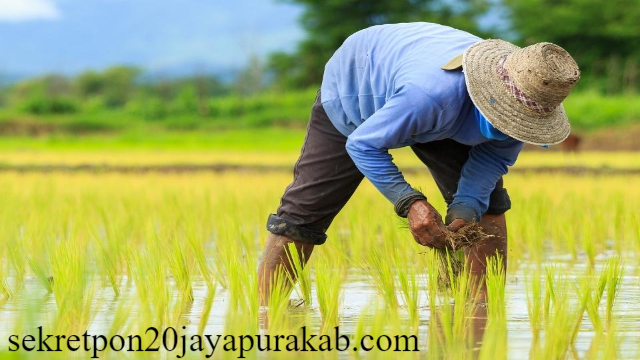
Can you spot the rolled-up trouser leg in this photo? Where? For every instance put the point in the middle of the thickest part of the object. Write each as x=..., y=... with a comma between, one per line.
x=324, y=178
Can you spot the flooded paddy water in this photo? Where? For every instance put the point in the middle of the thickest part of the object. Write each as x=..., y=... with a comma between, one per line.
x=358, y=297
x=118, y=253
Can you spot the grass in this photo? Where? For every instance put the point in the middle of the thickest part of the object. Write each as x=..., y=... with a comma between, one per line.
x=495, y=336
x=588, y=110
x=131, y=251
x=302, y=278
x=329, y=276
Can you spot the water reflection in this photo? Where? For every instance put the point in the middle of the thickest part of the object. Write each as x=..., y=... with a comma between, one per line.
x=211, y=313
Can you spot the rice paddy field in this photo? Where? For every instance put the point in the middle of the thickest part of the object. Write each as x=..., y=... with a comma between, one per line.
x=91, y=249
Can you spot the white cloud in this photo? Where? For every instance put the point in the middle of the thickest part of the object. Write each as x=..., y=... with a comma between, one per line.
x=23, y=10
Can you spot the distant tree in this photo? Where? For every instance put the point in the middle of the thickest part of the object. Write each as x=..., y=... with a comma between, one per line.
x=90, y=83
x=52, y=85
x=119, y=85
x=251, y=80
x=603, y=36
x=115, y=85
x=50, y=94
x=329, y=22
x=156, y=98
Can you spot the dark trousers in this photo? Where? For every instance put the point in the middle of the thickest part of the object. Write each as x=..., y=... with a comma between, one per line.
x=325, y=177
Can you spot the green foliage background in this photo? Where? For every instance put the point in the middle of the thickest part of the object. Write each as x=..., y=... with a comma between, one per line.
x=603, y=36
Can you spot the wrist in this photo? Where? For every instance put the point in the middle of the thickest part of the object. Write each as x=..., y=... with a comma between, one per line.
x=403, y=204
x=461, y=211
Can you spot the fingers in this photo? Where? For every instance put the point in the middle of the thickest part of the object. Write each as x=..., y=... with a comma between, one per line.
x=456, y=225
x=426, y=225
x=438, y=236
x=430, y=234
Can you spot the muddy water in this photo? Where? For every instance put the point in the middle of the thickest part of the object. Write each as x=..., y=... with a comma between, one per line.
x=33, y=307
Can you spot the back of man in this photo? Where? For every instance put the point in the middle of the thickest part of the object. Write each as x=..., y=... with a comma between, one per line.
x=374, y=63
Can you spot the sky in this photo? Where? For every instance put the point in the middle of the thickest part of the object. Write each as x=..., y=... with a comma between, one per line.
x=71, y=36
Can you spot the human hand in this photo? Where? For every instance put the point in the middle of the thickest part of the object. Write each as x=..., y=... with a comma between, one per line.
x=457, y=224
x=426, y=226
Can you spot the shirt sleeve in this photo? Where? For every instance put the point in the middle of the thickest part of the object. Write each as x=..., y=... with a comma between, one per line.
x=407, y=112
x=486, y=164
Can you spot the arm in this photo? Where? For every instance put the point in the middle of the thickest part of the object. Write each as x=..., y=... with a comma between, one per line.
x=409, y=111
x=487, y=163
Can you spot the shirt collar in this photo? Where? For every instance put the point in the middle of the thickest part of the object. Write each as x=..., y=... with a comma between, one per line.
x=487, y=129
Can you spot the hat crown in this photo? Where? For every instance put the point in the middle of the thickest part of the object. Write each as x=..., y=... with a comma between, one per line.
x=545, y=72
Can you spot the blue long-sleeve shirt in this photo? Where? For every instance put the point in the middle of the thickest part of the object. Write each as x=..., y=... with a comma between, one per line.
x=384, y=88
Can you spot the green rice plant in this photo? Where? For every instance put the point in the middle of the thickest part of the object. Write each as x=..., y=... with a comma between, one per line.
x=609, y=280
x=149, y=276
x=551, y=273
x=243, y=311
x=612, y=342
x=120, y=321
x=495, y=282
x=38, y=263
x=456, y=340
x=589, y=244
x=618, y=224
x=450, y=341
x=606, y=343
x=15, y=256
x=432, y=273
x=206, y=311
x=178, y=309
x=200, y=255
x=375, y=321
x=329, y=275
x=364, y=319
x=108, y=253
x=163, y=233
x=111, y=233
x=181, y=269
x=5, y=289
x=241, y=278
x=535, y=300
x=379, y=270
x=567, y=232
x=532, y=226
x=594, y=291
x=561, y=329
x=409, y=286
x=430, y=263
x=301, y=278
x=72, y=289
x=635, y=230
x=614, y=273
x=563, y=320
x=494, y=340
x=278, y=301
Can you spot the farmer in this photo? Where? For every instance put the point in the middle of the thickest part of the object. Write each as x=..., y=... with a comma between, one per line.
x=464, y=105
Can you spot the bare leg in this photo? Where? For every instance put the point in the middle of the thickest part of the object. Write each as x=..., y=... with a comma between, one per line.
x=476, y=255
x=275, y=257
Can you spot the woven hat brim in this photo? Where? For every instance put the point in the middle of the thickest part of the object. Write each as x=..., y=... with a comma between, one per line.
x=498, y=105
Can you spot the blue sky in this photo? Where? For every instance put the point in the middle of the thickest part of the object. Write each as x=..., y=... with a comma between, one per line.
x=69, y=36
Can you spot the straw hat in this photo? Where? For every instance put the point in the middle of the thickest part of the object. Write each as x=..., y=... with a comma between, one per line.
x=520, y=90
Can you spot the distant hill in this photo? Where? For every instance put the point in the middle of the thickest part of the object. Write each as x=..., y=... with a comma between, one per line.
x=8, y=79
